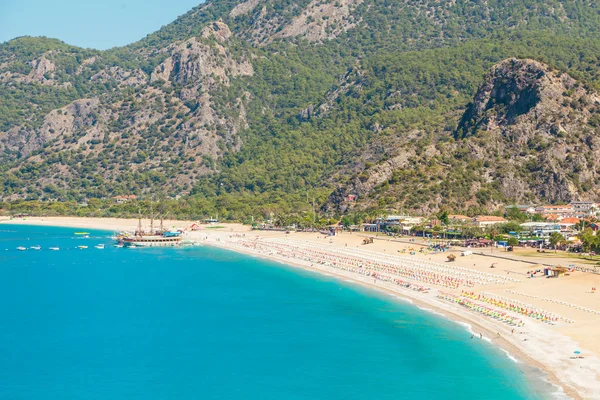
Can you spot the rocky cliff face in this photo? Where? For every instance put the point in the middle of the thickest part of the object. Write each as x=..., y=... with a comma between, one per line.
x=152, y=120
x=531, y=134
x=541, y=122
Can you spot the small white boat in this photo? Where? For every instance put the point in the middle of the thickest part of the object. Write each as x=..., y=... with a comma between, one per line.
x=119, y=245
x=131, y=246
x=99, y=246
x=54, y=248
x=82, y=247
x=36, y=247
x=21, y=248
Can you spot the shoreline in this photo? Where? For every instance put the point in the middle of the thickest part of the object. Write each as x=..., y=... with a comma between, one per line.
x=515, y=350
x=399, y=294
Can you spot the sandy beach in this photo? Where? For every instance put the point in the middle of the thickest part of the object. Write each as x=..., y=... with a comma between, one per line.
x=496, y=302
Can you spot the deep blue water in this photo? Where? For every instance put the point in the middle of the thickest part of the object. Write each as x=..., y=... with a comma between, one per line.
x=202, y=323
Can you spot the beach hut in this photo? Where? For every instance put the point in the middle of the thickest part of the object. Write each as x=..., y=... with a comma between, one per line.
x=559, y=270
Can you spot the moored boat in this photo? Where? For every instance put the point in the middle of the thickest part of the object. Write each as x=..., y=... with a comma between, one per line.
x=36, y=247
x=54, y=248
x=82, y=247
x=21, y=248
x=99, y=246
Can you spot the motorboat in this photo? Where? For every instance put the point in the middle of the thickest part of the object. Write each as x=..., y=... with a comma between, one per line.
x=99, y=246
x=54, y=248
x=21, y=248
x=82, y=247
x=36, y=247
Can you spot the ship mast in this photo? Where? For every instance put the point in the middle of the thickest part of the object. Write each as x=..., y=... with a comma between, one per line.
x=151, y=218
x=139, y=221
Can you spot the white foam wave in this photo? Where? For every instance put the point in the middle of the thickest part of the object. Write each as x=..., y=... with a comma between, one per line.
x=432, y=311
x=510, y=356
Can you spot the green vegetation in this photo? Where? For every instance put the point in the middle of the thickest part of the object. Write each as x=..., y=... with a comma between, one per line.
x=318, y=115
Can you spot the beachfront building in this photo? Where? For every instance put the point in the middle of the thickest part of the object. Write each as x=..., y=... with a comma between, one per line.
x=541, y=229
x=402, y=223
x=370, y=227
x=483, y=221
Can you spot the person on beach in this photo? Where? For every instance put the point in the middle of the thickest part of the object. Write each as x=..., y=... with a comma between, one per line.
x=472, y=336
x=480, y=336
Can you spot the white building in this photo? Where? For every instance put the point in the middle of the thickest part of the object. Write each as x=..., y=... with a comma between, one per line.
x=541, y=229
x=584, y=209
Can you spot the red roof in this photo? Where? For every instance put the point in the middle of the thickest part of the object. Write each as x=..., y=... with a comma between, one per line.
x=552, y=217
x=570, y=221
x=489, y=218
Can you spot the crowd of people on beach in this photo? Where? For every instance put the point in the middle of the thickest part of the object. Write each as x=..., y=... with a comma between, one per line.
x=517, y=307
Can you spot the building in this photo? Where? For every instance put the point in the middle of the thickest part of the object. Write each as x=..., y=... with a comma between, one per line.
x=124, y=199
x=552, y=217
x=571, y=223
x=563, y=211
x=483, y=221
x=541, y=229
x=402, y=222
x=528, y=209
x=584, y=209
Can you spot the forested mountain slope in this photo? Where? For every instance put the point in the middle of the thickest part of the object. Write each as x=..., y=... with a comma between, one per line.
x=264, y=104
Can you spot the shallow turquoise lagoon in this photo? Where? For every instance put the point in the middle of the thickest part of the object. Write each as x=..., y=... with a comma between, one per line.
x=202, y=323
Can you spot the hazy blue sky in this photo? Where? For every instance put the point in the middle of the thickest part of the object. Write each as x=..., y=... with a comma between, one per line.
x=98, y=24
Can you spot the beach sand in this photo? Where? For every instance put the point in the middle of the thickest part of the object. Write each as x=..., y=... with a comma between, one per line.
x=549, y=347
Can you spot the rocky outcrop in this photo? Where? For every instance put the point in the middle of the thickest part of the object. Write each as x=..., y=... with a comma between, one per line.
x=78, y=118
x=195, y=61
x=123, y=76
x=322, y=21
x=364, y=184
x=537, y=120
x=243, y=8
x=41, y=71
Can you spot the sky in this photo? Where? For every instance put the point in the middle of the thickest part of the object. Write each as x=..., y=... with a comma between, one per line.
x=97, y=24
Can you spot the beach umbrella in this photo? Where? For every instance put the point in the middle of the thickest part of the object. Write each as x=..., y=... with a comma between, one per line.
x=577, y=352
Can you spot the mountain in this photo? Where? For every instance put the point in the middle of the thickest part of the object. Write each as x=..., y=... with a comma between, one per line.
x=529, y=135
x=260, y=106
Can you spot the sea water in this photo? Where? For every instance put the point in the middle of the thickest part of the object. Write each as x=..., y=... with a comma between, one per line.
x=204, y=323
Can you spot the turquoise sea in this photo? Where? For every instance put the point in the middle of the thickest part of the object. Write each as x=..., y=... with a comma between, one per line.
x=203, y=323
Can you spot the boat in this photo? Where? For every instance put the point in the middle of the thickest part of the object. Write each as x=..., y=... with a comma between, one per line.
x=153, y=238
x=99, y=246
x=119, y=245
x=82, y=233
x=158, y=239
x=21, y=248
x=36, y=247
x=82, y=247
x=54, y=248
